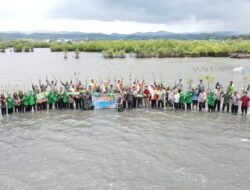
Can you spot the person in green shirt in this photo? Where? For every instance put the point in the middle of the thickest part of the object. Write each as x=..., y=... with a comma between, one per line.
x=65, y=99
x=231, y=88
x=32, y=100
x=56, y=99
x=182, y=100
x=188, y=99
x=26, y=102
x=211, y=101
x=10, y=104
x=51, y=96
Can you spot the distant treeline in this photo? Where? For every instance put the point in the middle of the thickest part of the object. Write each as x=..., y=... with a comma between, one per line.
x=140, y=48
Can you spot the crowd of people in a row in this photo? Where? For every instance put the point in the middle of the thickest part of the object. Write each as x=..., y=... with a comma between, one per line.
x=136, y=94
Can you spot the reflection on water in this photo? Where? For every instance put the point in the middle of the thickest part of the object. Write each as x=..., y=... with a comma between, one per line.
x=138, y=149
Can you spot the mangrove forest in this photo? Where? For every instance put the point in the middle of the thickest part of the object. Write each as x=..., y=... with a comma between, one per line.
x=159, y=48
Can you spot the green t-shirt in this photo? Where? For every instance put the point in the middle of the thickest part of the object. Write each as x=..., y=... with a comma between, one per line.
x=231, y=89
x=226, y=98
x=65, y=97
x=56, y=97
x=32, y=99
x=10, y=102
x=51, y=96
x=211, y=99
x=188, y=97
x=182, y=98
x=26, y=100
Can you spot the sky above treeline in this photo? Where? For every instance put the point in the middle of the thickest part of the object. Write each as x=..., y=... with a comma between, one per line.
x=125, y=16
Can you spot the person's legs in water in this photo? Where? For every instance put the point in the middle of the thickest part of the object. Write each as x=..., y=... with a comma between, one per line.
x=3, y=111
x=188, y=106
x=44, y=106
x=10, y=111
x=50, y=106
x=200, y=106
x=217, y=104
x=39, y=106
x=71, y=106
x=161, y=104
x=223, y=107
x=176, y=106
x=134, y=102
x=153, y=103
x=129, y=104
x=232, y=109
x=244, y=110
x=124, y=103
x=33, y=107
x=139, y=102
x=227, y=108
x=236, y=108
x=209, y=108
x=56, y=105
x=16, y=108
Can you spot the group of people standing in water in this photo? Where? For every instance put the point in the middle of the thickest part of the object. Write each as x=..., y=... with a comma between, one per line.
x=69, y=95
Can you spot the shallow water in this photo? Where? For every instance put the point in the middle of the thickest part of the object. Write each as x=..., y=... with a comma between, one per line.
x=23, y=68
x=138, y=149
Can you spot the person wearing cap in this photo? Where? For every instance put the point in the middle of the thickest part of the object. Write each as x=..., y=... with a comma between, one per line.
x=217, y=85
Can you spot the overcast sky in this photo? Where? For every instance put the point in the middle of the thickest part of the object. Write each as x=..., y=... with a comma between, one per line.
x=125, y=16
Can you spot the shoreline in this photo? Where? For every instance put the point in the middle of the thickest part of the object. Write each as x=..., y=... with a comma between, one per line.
x=144, y=56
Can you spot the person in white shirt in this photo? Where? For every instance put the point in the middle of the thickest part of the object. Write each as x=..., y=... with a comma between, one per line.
x=235, y=103
x=161, y=97
x=202, y=100
x=218, y=94
x=176, y=99
x=179, y=85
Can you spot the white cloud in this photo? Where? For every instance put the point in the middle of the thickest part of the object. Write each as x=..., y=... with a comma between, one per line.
x=128, y=16
x=17, y=9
